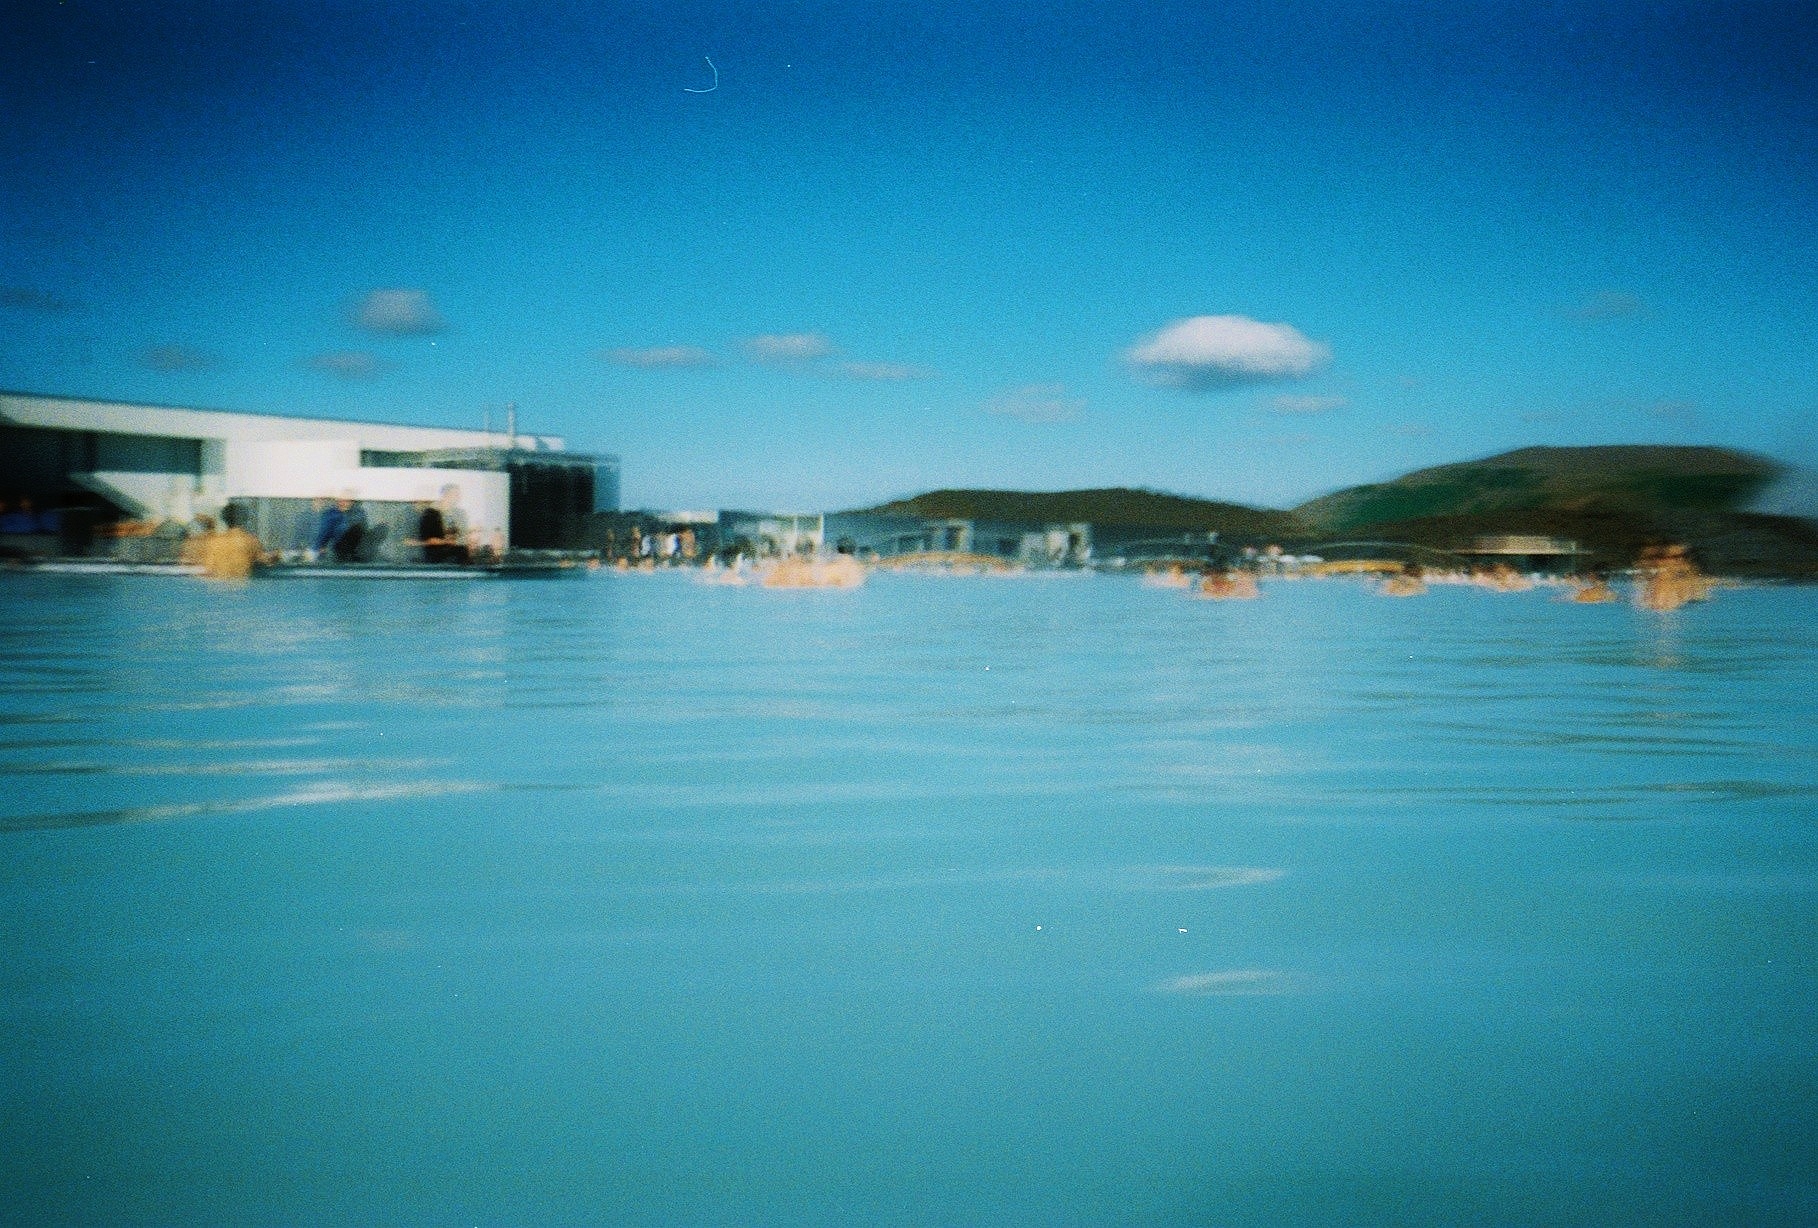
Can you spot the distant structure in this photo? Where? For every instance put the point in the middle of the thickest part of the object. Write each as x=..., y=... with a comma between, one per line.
x=883, y=538
x=121, y=461
x=1526, y=552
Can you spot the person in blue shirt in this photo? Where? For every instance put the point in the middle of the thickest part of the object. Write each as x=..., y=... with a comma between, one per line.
x=341, y=529
x=328, y=529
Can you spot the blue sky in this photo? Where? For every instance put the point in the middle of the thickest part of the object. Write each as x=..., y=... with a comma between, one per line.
x=1252, y=252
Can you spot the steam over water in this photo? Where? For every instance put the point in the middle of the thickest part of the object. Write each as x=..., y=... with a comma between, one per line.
x=1021, y=901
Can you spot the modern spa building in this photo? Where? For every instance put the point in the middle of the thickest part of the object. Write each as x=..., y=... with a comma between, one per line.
x=118, y=461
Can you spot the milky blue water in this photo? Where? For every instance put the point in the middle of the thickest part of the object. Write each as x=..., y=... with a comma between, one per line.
x=1043, y=901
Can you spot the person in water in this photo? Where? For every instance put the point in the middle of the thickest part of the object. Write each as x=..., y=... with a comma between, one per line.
x=1410, y=581
x=1172, y=576
x=1593, y=589
x=195, y=545
x=1668, y=578
x=1227, y=584
x=232, y=553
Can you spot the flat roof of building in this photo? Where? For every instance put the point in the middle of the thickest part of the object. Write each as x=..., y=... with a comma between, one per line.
x=130, y=418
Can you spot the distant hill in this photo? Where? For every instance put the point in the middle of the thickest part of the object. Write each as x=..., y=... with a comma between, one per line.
x=1107, y=509
x=1610, y=500
x=1626, y=481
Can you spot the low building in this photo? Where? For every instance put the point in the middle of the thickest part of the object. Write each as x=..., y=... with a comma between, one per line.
x=871, y=536
x=884, y=536
x=116, y=461
x=1525, y=552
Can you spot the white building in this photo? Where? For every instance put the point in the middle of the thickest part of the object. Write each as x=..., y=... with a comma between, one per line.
x=155, y=463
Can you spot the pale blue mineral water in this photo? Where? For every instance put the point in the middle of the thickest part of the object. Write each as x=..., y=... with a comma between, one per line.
x=628, y=900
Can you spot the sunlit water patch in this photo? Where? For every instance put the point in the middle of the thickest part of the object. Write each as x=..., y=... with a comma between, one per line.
x=942, y=900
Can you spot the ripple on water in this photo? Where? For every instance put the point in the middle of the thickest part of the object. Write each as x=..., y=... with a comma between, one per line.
x=1199, y=878
x=317, y=794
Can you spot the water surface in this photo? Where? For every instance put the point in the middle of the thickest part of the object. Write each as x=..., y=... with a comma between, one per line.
x=1020, y=901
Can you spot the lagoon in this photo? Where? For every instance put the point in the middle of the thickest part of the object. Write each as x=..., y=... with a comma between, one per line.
x=1018, y=900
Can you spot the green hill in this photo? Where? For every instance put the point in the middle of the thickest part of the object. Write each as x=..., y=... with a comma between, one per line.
x=1624, y=481
x=1610, y=500
x=1112, y=508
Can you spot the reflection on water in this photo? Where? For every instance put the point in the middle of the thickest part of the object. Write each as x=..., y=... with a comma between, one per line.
x=633, y=900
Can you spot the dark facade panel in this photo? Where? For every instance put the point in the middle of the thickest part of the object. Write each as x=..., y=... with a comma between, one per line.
x=551, y=505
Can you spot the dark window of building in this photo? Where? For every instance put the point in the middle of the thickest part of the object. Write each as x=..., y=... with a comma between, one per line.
x=550, y=506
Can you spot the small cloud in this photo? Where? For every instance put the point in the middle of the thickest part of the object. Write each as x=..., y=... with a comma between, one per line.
x=398, y=313
x=1214, y=353
x=1037, y=403
x=1306, y=405
x=175, y=359
x=354, y=364
x=1233, y=983
x=1607, y=305
x=788, y=348
x=886, y=372
x=1538, y=417
x=1414, y=430
x=29, y=298
x=659, y=357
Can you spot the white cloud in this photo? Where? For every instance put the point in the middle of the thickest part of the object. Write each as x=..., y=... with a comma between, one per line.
x=658, y=357
x=788, y=347
x=1306, y=405
x=1232, y=983
x=1037, y=403
x=399, y=313
x=882, y=371
x=175, y=359
x=351, y=364
x=1212, y=353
